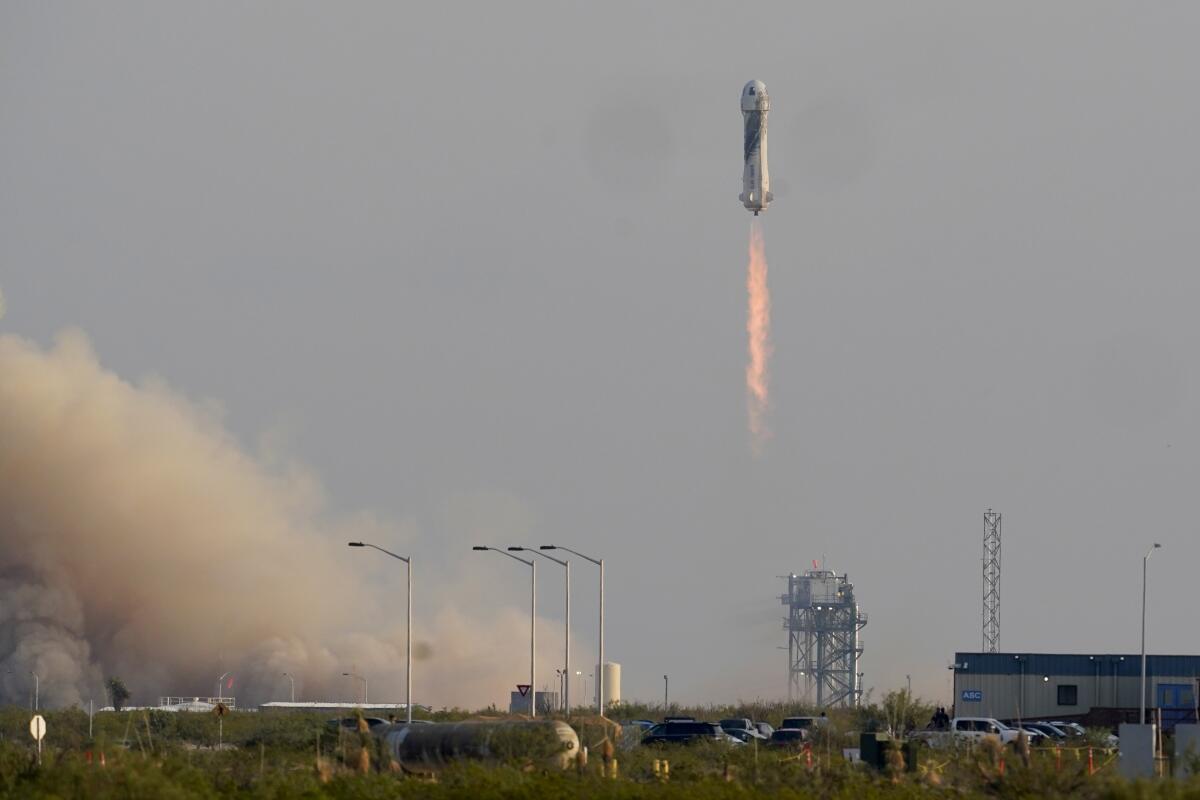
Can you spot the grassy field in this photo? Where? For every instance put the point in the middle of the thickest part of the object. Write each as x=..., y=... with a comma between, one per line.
x=283, y=755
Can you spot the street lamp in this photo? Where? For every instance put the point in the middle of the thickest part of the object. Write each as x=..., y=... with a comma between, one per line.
x=600, y=671
x=532, y=564
x=408, y=643
x=288, y=675
x=566, y=614
x=36, y=690
x=1142, y=702
x=220, y=685
x=361, y=678
x=666, y=695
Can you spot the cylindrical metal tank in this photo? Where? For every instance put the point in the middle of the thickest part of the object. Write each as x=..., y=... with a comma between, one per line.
x=422, y=747
x=612, y=682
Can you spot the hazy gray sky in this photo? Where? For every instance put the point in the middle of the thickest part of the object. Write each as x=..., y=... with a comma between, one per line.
x=482, y=267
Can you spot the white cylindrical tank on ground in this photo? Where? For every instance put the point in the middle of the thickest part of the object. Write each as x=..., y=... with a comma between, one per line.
x=612, y=683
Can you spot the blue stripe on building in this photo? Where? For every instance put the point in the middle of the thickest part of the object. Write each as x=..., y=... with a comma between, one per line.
x=1064, y=664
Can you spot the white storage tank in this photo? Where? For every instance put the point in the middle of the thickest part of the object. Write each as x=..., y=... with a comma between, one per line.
x=612, y=683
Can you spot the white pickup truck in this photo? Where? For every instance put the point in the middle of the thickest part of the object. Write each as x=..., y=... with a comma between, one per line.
x=969, y=729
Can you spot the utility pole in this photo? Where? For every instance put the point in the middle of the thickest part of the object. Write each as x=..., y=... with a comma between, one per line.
x=1142, y=701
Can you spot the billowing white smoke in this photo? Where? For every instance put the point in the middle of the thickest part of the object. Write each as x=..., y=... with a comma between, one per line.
x=139, y=539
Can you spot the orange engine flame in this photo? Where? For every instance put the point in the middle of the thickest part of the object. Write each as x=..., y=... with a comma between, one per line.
x=758, y=326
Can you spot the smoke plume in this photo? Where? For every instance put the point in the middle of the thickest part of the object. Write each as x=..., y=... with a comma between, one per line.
x=758, y=326
x=139, y=539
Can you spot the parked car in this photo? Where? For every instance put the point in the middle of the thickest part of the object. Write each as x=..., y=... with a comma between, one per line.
x=788, y=737
x=633, y=731
x=765, y=728
x=741, y=729
x=684, y=732
x=1075, y=729
x=1034, y=736
x=976, y=728
x=1053, y=731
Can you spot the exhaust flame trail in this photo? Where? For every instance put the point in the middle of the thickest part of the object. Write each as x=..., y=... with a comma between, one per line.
x=758, y=324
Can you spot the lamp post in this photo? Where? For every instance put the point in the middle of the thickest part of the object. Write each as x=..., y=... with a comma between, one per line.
x=666, y=695
x=361, y=678
x=600, y=671
x=566, y=565
x=36, y=691
x=408, y=636
x=220, y=686
x=1142, y=700
x=532, y=564
x=288, y=675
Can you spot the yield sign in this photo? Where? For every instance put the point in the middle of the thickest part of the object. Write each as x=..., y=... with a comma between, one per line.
x=523, y=688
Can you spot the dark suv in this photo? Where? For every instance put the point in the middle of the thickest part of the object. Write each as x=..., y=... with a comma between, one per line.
x=683, y=732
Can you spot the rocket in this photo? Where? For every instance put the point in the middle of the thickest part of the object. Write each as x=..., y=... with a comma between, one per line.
x=756, y=183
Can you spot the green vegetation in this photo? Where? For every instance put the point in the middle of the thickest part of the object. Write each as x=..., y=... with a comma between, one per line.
x=285, y=755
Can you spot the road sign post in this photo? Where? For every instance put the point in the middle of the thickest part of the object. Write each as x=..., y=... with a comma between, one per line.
x=37, y=729
x=220, y=710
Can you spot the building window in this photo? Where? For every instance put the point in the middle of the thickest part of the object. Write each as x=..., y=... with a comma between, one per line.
x=1068, y=695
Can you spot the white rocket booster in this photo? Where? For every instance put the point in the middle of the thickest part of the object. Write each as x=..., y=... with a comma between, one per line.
x=756, y=183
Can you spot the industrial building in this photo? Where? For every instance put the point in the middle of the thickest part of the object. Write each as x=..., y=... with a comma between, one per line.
x=1092, y=689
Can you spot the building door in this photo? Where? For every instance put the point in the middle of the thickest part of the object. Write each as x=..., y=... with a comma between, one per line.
x=1178, y=704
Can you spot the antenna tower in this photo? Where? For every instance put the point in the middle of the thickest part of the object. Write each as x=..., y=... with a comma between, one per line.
x=991, y=581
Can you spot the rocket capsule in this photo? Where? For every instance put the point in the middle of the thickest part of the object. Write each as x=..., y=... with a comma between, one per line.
x=756, y=183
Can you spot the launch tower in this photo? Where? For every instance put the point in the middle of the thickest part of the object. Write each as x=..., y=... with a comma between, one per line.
x=823, y=622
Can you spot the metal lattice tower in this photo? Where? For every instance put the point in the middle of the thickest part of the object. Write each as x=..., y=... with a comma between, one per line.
x=991, y=581
x=823, y=624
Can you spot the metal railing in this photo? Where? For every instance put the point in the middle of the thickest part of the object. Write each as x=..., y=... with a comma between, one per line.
x=168, y=702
